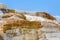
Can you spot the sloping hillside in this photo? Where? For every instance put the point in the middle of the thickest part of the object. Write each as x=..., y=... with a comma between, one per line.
x=23, y=25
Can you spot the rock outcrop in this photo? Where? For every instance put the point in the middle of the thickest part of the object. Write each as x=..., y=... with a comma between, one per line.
x=17, y=25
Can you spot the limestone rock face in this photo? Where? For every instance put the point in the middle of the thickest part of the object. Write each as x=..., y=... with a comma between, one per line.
x=13, y=15
x=1, y=38
x=45, y=15
x=21, y=25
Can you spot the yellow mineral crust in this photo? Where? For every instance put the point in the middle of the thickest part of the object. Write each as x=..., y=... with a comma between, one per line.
x=21, y=24
x=8, y=15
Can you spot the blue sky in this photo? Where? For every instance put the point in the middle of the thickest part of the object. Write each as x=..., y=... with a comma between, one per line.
x=50, y=6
